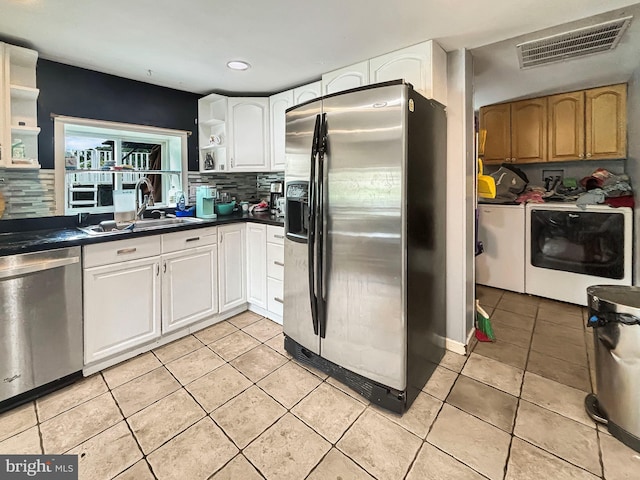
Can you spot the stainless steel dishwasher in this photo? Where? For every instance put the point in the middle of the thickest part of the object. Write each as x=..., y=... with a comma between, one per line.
x=40, y=323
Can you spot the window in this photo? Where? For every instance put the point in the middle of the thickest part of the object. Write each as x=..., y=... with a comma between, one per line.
x=93, y=159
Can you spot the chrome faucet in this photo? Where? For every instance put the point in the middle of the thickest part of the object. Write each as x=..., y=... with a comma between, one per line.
x=147, y=200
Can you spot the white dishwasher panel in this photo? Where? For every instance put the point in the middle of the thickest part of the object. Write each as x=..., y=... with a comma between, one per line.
x=501, y=229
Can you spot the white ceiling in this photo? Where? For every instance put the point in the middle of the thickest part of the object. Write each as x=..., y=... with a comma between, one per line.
x=498, y=77
x=185, y=44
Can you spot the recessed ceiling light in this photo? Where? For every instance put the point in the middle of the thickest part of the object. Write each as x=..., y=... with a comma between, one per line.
x=238, y=65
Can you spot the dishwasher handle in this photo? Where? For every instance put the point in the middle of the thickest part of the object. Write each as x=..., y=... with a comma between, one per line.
x=19, y=270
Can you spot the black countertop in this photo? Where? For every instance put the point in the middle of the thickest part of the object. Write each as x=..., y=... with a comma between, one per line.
x=35, y=235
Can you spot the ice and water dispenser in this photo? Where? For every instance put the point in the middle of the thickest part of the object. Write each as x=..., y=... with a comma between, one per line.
x=297, y=218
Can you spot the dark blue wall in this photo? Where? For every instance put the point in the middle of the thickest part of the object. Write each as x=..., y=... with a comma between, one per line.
x=76, y=92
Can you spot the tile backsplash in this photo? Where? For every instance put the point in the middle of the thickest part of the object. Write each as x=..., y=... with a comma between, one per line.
x=28, y=193
x=243, y=186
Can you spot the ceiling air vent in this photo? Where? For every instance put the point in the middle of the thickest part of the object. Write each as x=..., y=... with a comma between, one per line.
x=572, y=44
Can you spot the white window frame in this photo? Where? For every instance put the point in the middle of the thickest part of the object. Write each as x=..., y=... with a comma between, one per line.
x=174, y=140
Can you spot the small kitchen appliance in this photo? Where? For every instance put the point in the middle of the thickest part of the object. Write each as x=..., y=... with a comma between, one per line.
x=205, y=202
x=276, y=190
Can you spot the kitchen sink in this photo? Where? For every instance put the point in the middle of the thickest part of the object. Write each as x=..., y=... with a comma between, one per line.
x=111, y=227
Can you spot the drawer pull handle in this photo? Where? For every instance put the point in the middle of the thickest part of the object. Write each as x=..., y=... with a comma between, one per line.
x=279, y=236
x=192, y=239
x=122, y=251
x=280, y=264
x=279, y=300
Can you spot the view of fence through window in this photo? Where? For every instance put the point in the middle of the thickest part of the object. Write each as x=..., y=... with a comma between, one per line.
x=100, y=160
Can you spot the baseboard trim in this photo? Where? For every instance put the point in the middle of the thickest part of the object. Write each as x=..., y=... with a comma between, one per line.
x=455, y=347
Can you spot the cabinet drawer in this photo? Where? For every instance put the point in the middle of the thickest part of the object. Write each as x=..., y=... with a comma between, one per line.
x=197, y=237
x=274, y=296
x=275, y=261
x=121, y=251
x=275, y=234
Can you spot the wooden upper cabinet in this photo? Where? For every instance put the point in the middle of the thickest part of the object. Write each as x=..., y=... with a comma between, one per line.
x=496, y=120
x=566, y=127
x=529, y=131
x=606, y=122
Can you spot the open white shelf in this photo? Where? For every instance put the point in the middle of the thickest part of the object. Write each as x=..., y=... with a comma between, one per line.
x=20, y=92
x=24, y=130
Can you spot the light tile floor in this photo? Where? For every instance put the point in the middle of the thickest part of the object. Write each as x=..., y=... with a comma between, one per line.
x=229, y=403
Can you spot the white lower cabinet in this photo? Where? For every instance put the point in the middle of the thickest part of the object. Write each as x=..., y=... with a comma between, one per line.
x=142, y=292
x=257, y=264
x=139, y=289
x=275, y=272
x=189, y=280
x=121, y=302
x=231, y=266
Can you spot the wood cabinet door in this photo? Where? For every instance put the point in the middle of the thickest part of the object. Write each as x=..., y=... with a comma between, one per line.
x=496, y=120
x=529, y=131
x=248, y=134
x=566, y=127
x=606, y=122
x=189, y=286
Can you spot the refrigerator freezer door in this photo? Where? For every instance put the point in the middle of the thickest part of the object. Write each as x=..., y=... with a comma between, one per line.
x=297, y=319
x=364, y=240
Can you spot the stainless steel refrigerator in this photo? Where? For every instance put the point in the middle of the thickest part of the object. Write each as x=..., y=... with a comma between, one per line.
x=364, y=280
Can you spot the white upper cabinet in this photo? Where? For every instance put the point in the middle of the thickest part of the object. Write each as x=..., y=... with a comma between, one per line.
x=18, y=112
x=248, y=134
x=423, y=65
x=278, y=105
x=307, y=92
x=212, y=133
x=346, y=78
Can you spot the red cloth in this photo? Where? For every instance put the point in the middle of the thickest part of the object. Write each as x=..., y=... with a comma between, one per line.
x=624, y=201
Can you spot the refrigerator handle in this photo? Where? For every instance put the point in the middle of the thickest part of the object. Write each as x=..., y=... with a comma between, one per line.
x=311, y=240
x=320, y=198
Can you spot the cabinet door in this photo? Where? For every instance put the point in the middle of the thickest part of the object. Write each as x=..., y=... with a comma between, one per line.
x=231, y=266
x=307, y=92
x=566, y=126
x=418, y=65
x=121, y=307
x=278, y=104
x=248, y=134
x=257, y=264
x=189, y=286
x=345, y=78
x=529, y=131
x=606, y=122
x=501, y=228
x=496, y=120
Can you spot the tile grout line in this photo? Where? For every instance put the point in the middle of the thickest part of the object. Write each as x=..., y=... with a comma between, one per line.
x=144, y=457
x=424, y=440
x=35, y=408
x=519, y=398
